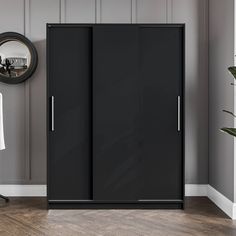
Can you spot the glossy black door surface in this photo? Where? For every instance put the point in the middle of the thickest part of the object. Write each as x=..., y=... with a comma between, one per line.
x=69, y=145
x=138, y=75
x=161, y=79
x=116, y=113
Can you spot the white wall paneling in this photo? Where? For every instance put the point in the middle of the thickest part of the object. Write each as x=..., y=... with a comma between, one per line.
x=15, y=9
x=24, y=160
x=151, y=11
x=113, y=11
x=78, y=11
x=12, y=159
x=41, y=12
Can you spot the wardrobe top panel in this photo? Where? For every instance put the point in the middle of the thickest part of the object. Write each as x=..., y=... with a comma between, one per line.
x=112, y=24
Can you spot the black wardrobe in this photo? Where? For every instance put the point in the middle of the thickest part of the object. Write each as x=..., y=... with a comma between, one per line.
x=115, y=115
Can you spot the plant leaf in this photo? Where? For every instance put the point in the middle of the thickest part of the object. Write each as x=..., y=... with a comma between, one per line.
x=232, y=70
x=231, y=131
x=229, y=112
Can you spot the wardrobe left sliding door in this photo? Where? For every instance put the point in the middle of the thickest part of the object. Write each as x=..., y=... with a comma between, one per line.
x=69, y=62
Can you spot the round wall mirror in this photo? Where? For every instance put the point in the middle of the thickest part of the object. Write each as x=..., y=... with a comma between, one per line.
x=18, y=58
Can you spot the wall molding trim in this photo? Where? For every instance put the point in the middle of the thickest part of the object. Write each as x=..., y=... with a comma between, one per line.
x=62, y=14
x=27, y=33
x=98, y=9
x=191, y=190
x=133, y=11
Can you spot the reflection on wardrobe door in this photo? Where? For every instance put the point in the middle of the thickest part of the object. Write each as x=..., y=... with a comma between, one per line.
x=162, y=72
x=69, y=162
x=116, y=112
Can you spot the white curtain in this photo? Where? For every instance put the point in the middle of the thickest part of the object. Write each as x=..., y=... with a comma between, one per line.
x=2, y=142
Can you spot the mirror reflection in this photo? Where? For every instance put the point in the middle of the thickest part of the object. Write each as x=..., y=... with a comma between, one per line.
x=14, y=59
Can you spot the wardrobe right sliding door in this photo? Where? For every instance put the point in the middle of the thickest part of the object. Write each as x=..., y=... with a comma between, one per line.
x=161, y=79
x=138, y=73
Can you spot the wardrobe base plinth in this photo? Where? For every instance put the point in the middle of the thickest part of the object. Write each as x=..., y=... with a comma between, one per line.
x=93, y=205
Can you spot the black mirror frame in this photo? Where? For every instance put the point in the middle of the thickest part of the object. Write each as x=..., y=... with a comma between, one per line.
x=10, y=36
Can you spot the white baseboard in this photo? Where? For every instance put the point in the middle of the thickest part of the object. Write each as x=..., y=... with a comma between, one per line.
x=234, y=212
x=222, y=202
x=215, y=196
x=196, y=190
x=12, y=190
x=190, y=190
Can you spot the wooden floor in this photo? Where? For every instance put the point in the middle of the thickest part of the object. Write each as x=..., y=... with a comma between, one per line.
x=28, y=216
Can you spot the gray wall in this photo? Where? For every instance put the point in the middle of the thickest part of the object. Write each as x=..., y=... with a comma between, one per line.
x=221, y=96
x=24, y=160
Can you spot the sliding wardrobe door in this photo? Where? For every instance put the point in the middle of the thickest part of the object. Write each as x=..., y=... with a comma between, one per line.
x=69, y=119
x=161, y=78
x=116, y=113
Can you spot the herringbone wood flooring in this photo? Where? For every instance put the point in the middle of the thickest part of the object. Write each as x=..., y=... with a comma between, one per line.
x=28, y=216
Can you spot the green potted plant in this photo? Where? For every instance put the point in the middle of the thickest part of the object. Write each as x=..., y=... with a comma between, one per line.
x=231, y=131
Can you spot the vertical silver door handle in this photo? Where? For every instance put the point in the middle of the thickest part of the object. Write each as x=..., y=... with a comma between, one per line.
x=52, y=114
x=179, y=112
